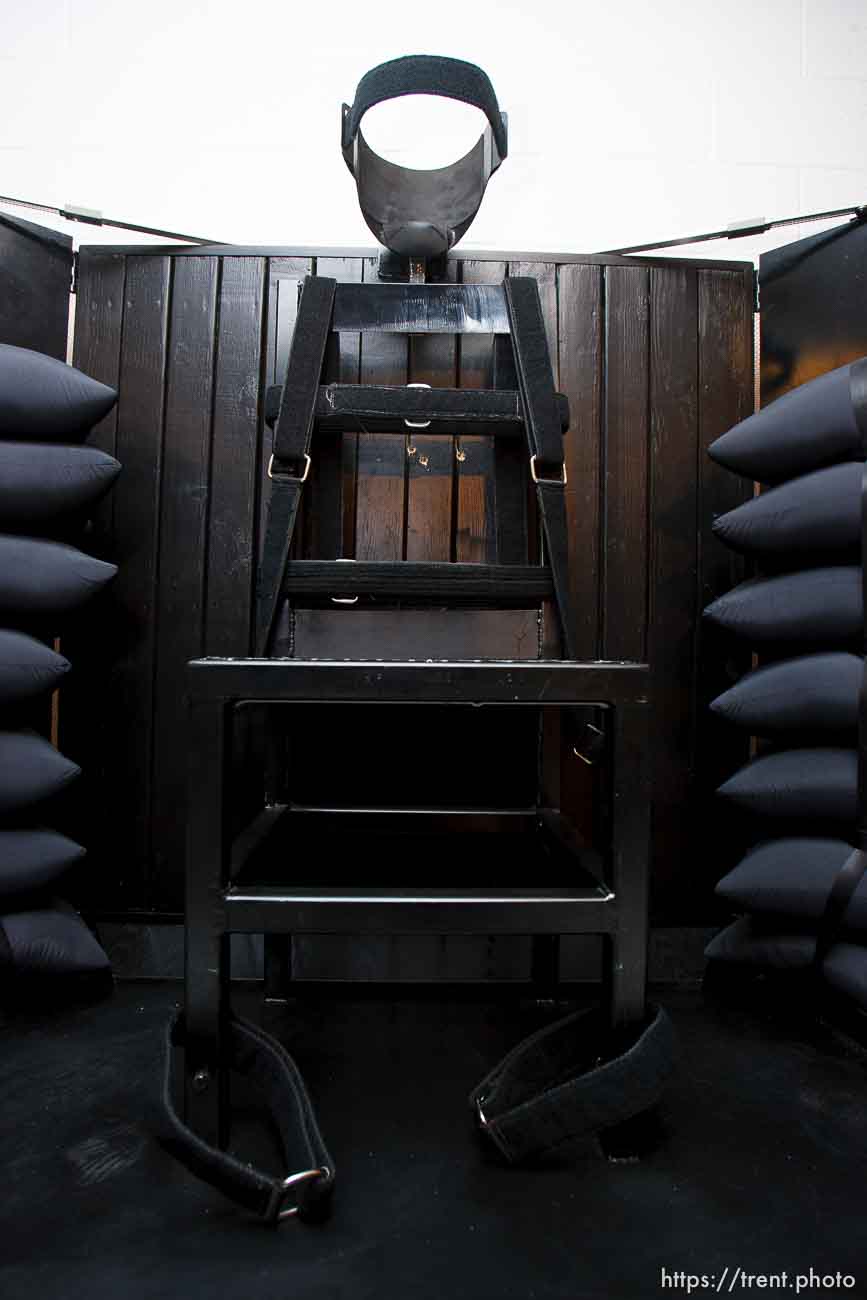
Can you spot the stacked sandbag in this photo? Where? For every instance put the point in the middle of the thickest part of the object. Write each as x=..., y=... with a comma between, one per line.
x=804, y=534
x=49, y=483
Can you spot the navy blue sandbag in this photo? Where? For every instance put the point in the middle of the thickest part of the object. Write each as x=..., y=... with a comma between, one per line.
x=812, y=695
x=792, y=878
x=30, y=770
x=27, y=667
x=796, y=784
x=49, y=941
x=746, y=943
x=44, y=400
x=810, y=426
x=806, y=520
x=42, y=482
x=40, y=579
x=815, y=607
x=34, y=859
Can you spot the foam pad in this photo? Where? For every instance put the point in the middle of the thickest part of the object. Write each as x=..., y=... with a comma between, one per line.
x=805, y=520
x=42, y=482
x=798, y=783
x=40, y=579
x=31, y=860
x=816, y=607
x=810, y=426
x=49, y=941
x=792, y=878
x=30, y=770
x=43, y=400
x=27, y=667
x=812, y=694
x=745, y=943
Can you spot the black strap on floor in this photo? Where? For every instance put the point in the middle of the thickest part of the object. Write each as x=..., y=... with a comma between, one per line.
x=290, y=461
x=572, y=1078
x=544, y=438
x=306, y=1190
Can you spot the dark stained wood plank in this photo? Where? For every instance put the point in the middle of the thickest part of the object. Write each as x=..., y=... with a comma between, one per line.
x=381, y=492
x=726, y=396
x=580, y=335
x=182, y=550
x=134, y=592
x=674, y=569
x=341, y=452
x=545, y=275
x=88, y=730
x=36, y=278
x=433, y=359
x=231, y=539
x=475, y=505
x=624, y=549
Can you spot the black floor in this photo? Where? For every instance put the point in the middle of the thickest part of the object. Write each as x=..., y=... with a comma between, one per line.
x=760, y=1164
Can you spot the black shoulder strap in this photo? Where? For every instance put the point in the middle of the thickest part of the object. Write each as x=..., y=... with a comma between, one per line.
x=290, y=463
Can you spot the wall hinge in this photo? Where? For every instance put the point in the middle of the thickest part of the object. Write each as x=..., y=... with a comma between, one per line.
x=73, y=283
x=756, y=290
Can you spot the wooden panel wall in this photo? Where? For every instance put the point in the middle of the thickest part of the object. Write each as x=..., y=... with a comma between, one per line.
x=656, y=359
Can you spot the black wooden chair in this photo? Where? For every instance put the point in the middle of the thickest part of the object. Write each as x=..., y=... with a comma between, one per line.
x=467, y=671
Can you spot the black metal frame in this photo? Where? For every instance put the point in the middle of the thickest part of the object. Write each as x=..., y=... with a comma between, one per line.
x=615, y=907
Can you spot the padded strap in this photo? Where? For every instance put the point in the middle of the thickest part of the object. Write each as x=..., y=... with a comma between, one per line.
x=858, y=393
x=573, y=1078
x=288, y=467
x=260, y=1058
x=845, y=883
x=426, y=74
x=544, y=437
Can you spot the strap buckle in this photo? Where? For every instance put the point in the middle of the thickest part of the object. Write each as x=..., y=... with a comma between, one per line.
x=276, y=1212
x=561, y=482
x=414, y=424
x=294, y=478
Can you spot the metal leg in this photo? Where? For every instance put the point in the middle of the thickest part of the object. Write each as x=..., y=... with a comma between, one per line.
x=207, y=944
x=626, y=950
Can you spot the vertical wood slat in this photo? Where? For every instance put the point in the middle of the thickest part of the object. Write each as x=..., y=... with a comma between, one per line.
x=185, y=483
x=624, y=488
x=231, y=535
x=726, y=365
x=475, y=512
x=580, y=349
x=674, y=559
x=85, y=716
x=343, y=451
x=545, y=275
x=134, y=591
x=381, y=490
x=431, y=460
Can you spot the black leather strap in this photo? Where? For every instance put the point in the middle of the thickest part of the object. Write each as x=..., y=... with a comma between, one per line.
x=307, y=1188
x=570, y=1079
x=573, y=1078
x=845, y=883
x=858, y=393
x=288, y=466
x=544, y=437
x=426, y=74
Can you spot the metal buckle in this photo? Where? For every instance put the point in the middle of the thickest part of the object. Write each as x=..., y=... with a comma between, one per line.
x=561, y=482
x=481, y=1118
x=275, y=1210
x=293, y=477
x=415, y=424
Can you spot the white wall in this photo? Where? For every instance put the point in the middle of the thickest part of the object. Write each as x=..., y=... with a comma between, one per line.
x=629, y=119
